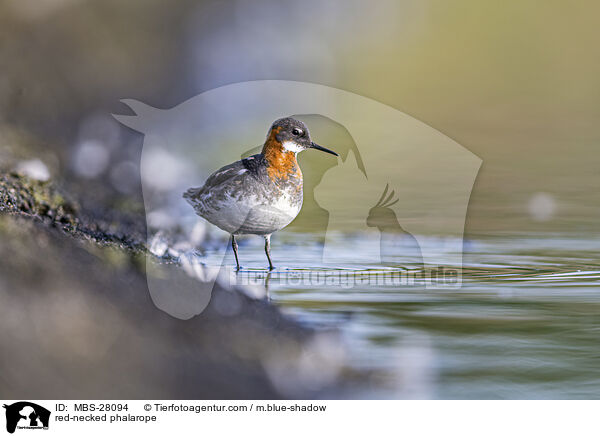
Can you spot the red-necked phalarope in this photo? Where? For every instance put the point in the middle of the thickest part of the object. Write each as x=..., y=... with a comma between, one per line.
x=261, y=194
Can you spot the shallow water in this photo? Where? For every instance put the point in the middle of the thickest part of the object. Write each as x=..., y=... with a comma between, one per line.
x=524, y=323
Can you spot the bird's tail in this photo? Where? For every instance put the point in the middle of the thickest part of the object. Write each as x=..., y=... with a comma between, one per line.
x=191, y=195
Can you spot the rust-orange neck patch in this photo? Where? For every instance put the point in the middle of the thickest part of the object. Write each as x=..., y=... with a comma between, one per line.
x=281, y=164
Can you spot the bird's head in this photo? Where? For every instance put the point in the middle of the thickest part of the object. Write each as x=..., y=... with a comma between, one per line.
x=291, y=135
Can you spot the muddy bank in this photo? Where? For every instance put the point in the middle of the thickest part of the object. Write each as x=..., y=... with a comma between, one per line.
x=77, y=320
x=22, y=195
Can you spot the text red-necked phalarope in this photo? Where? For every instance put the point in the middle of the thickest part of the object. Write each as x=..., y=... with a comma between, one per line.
x=261, y=194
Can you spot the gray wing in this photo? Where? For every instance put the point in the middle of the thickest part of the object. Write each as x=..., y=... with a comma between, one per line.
x=223, y=183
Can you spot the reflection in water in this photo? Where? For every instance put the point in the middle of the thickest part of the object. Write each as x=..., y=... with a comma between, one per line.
x=266, y=284
x=523, y=324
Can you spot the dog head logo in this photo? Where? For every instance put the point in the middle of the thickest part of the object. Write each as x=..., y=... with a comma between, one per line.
x=431, y=176
x=26, y=415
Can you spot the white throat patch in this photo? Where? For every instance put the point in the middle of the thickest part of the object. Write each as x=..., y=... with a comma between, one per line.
x=291, y=146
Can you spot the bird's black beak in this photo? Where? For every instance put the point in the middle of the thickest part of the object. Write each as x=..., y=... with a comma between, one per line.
x=326, y=150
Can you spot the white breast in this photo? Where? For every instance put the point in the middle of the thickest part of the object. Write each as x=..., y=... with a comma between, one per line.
x=252, y=214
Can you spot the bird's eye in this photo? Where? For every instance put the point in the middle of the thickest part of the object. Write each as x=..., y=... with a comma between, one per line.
x=296, y=132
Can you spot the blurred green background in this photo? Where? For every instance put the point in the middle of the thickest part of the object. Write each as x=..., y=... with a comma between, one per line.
x=515, y=82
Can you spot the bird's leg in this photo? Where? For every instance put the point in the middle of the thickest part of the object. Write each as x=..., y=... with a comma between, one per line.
x=268, y=251
x=234, y=245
